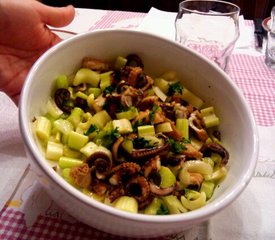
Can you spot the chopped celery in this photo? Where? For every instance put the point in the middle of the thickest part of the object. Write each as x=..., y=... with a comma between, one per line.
x=123, y=125
x=164, y=127
x=62, y=81
x=43, y=128
x=105, y=80
x=63, y=125
x=52, y=109
x=66, y=175
x=77, y=141
x=54, y=151
x=130, y=114
x=162, y=84
x=191, y=98
x=75, y=116
x=173, y=204
x=128, y=204
x=153, y=207
x=85, y=75
x=120, y=62
x=100, y=119
x=159, y=93
x=81, y=95
x=67, y=152
x=146, y=130
x=168, y=179
x=209, y=117
x=182, y=126
x=207, y=187
x=66, y=162
x=127, y=145
x=95, y=91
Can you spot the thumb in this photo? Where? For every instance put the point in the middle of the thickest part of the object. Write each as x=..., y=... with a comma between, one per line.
x=56, y=17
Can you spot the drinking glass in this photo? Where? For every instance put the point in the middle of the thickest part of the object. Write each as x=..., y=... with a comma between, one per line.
x=208, y=27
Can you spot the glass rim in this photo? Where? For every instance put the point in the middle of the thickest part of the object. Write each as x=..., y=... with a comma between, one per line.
x=237, y=11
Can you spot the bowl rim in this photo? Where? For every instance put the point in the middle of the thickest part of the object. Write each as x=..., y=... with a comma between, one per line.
x=202, y=213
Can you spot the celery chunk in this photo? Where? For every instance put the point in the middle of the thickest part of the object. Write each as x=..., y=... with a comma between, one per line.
x=85, y=75
x=62, y=81
x=182, y=126
x=146, y=130
x=54, y=151
x=77, y=141
x=123, y=125
x=66, y=162
x=120, y=62
x=128, y=204
x=162, y=84
x=168, y=179
x=207, y=187
x=153, y=207
x=164, y=127
x=53, y=110
x=105, y=80
x=209, y=117
x=191, y=98
x=100, y=119
x=43, y=128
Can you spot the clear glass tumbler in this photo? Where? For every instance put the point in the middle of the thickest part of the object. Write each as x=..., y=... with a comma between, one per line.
x=208, y=27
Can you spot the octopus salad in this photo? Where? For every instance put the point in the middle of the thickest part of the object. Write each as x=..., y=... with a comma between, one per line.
x=138, y=143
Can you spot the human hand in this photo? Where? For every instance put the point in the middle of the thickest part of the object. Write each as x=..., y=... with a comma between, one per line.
x=24, y=36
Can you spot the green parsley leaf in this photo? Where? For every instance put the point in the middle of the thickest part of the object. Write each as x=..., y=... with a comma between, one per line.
x=91, y=129
x=174, y=88
x=176, y=147
x=140, y=143
x=163, y=210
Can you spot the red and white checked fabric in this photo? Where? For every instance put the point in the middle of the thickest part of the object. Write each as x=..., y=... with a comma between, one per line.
x=12, y=227
x=113, y=17
x=257, y=82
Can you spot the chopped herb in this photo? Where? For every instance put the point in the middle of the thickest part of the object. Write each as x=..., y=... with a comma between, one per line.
x=107, y=138
x=163, y=210
x=175, y=88
x=176, y=147
x=109, y=89
x=91, y=129
x=140, y=143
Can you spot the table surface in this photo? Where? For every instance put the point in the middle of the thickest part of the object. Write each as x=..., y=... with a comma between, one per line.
x=31, y=214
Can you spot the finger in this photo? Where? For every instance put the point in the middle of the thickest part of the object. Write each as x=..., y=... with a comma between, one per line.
x=56, y=17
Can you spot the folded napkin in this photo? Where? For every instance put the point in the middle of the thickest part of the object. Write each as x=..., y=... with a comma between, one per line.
x=13, y=161
x=162, y=23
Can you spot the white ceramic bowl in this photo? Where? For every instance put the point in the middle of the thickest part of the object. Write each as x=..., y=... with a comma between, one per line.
x=159, y=55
